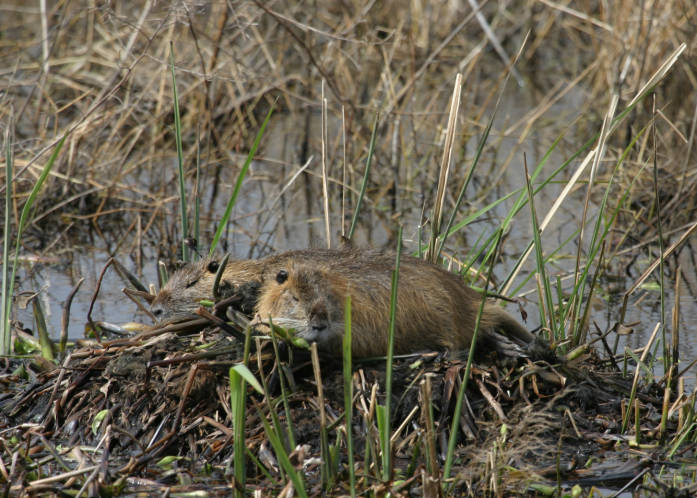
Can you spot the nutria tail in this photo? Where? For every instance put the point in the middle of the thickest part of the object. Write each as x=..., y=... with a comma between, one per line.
x=503, y=322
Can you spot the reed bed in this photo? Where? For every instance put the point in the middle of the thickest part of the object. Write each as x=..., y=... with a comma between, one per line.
x=100, y=74
x=460, y=130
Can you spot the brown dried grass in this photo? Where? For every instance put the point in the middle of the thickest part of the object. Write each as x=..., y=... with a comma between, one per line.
x=101, y=71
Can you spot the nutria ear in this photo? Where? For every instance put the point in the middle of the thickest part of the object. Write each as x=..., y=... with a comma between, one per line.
x=212, y=266
x=281, y=276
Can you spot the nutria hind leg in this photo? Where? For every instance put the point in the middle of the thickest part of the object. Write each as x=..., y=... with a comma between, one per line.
x=506, y=348
x=505, y=323
x=510, y=350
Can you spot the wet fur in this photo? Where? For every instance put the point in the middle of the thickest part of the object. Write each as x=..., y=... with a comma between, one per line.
x=435, y=309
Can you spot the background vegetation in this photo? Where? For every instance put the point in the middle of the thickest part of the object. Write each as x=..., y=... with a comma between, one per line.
x=87, y=112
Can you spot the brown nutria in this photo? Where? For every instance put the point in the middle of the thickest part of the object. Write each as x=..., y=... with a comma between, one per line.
x=435, y=309
x=179, y=298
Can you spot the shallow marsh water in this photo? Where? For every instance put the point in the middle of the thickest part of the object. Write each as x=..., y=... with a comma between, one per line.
x=264, y=222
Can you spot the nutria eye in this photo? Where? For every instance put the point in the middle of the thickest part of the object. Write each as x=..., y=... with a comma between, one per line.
x=212, y=266
x=192, y=283
x=281, y=276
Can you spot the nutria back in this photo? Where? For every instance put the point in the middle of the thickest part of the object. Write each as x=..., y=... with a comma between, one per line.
x=435, y=309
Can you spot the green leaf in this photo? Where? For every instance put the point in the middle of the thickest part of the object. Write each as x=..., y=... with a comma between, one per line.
x=247, y=375
x=166, y=462
x=97, y=421
x=238, y=184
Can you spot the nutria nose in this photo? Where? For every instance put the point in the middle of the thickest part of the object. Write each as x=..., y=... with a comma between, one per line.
x=157, y=311
x=319, y=327
x=318, y=316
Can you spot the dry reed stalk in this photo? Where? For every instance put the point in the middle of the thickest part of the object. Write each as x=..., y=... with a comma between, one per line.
x=436, y=220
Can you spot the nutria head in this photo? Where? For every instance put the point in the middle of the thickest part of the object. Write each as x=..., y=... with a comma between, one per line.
x=301, y=298
x=179, y=298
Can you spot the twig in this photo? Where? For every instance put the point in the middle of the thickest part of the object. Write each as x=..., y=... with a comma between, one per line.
x=65, y=319
x=94, y=298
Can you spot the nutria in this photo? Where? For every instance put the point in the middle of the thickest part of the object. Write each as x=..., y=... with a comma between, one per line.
x=435, y=309
x=179, y=298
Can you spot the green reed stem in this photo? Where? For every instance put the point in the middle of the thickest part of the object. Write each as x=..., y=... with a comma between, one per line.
x=468, y=368
x=239, y=374
x=539, y=255
x=6, y=303
x=364, y=185
x=385, y=436
x=348, y=394
x=657, y=200
x=180, y=158
x=283, y=458
x=20, y=229
x=240, y=179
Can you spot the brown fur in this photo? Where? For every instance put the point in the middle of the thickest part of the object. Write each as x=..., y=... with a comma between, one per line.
x=435, y=309
x=179, y=298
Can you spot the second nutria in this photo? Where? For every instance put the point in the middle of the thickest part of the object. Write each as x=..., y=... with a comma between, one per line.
x=187, y=287
x=435, y=309
x=180, y=297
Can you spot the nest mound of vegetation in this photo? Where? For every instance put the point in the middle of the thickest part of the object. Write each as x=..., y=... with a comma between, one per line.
x=153, y=412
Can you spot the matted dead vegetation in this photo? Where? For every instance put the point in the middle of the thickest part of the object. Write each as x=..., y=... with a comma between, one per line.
x=152, y=413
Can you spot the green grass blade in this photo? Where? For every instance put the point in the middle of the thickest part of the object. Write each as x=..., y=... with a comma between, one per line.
x=481, y=212
x=238, y=399
x=180, y=158
x=20, y=228
x=284, y=393
x=47, y=345
x=327, y=474
x=385, y=432
x=447, y=467
x=659, y=225
x=348, y=394
x=598, y=236
x=243, y=371
x=366, y=174
x=381, y=417
x=6, y=302
x=240, y=179
x=239, y=374
x=283, y=458
x=539, y=257
x=219, y=276
x=197, y=197
x=681, y=438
